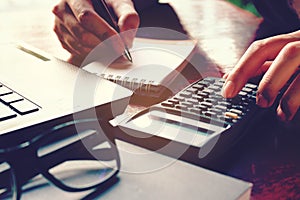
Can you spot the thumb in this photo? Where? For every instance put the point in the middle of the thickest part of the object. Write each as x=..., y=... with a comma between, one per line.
x=128, y=19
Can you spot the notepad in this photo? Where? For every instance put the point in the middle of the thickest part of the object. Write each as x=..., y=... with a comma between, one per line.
x=156, y=65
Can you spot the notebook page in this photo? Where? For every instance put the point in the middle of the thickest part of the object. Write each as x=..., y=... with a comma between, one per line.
x=153, y=60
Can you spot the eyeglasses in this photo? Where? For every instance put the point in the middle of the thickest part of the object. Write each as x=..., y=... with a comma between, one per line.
x=75, y=156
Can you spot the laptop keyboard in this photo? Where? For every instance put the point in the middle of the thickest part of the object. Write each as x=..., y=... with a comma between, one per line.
x=12, y=104
x=203, y=101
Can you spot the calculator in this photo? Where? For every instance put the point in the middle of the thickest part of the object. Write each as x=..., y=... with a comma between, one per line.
x=203, y=101
x=197, y=124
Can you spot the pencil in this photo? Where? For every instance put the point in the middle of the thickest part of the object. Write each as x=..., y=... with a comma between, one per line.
x=116, y=27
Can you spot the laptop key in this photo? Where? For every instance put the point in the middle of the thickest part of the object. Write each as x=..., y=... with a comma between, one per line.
x=24, y=107
x=4, y=91
x=10, y=98
x=6, y=113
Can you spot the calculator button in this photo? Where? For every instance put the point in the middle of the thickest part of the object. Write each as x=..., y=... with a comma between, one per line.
x=226, y=119
x=219, y=84
x=208, y=91
x=234, y=121
x=193, y=101
x=188, y=104
x=231, y=115
x=210, y=114
x=202, y=107
x=181, y=107
x=174, y=101
x=245, y=104
x=210, y=80
x=214, y=88
x=252, y=97
x=221, y=81
x=167, y=104
x=216, y=97
x=210, y=100
x=186, y=94
x=242, y=94
x=223, y=108
x=250, y=85
x=207, y=104
x=192, y=90
x=196, y=110
x=218, y=111
x=248, y=90
x=236, y=111
x=197, y=97
x=198, y=86
x=225, y=103
x=179, y=98
x=203, y=94
x=204, y=83
x=239, y=107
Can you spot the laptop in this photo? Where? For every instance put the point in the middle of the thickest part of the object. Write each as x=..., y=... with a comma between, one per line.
x=38, y=91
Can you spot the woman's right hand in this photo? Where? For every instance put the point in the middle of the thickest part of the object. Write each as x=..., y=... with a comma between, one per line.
x=80, y=29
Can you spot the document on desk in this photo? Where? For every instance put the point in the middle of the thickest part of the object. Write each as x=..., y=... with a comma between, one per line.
x=156, y=64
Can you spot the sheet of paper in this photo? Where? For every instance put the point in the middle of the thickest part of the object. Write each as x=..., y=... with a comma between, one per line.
x=152, y=60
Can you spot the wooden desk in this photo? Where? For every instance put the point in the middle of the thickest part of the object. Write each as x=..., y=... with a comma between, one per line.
x=223, y=31
x=30, y=21
x=270, y=159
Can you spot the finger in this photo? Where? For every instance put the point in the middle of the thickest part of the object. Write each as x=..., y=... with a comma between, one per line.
x=64, y=13
x=60, y=32
x=263, y=68
x=68, y=41
x=88, y=18
x=290, y=101
x=256, y=55
x=225, y=75
x=76, y=60
x=280, y=71
x=128, y=19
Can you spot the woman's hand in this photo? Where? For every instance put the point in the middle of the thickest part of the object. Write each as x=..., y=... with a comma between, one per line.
x=80, y=29
x=279, y=59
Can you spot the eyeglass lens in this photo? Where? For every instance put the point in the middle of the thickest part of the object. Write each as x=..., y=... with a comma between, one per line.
x=77, y=160
x=8, y=187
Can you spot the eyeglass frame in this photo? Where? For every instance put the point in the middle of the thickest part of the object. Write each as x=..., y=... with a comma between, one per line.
x=33, y=145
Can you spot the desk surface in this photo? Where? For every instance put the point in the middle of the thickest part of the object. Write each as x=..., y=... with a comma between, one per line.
x=270, y=159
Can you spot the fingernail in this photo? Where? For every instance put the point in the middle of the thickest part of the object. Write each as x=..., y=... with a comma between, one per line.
x=262, y=101
x=55, y=10
x=283, y=109
x=281, y=115
x=225, y=75
x=228, y=89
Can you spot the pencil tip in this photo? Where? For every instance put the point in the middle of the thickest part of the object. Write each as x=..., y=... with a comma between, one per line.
x=128, y=56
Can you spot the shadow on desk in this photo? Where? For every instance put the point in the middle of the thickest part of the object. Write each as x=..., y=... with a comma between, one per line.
x=269, y=158
x=152, y=17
